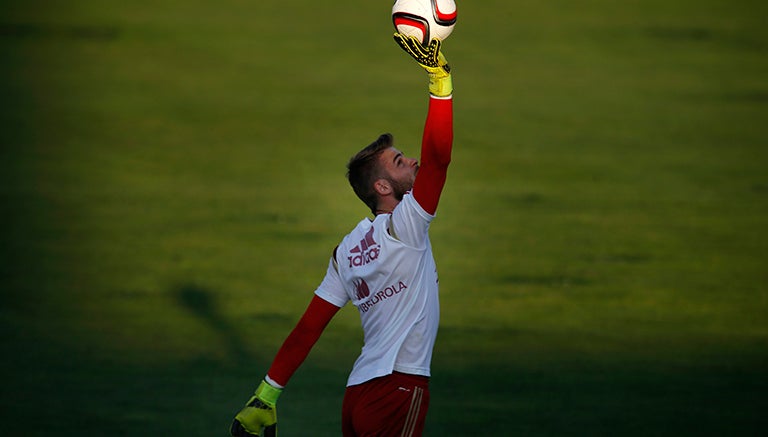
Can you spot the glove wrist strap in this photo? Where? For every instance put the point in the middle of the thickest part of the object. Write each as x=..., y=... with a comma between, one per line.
x=268, y=394
x=440, y=86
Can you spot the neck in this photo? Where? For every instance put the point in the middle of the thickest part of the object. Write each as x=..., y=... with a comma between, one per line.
x=383, y=211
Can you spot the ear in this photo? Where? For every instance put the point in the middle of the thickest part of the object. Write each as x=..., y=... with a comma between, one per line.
x=382, y=187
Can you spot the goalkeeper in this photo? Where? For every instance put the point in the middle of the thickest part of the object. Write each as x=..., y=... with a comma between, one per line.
x=385, y=268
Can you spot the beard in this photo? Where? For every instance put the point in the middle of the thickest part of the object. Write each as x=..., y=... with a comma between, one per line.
x=399, y=188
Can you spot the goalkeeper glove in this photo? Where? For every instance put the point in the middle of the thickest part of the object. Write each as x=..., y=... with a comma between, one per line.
x=431, y=59
x=258, y=413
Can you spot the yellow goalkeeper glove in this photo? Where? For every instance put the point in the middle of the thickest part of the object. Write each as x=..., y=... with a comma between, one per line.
x=260, y=412
x=431, y=59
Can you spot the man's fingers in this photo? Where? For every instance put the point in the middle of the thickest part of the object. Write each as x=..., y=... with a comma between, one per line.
x=418, y=48
x=237, y=429
x=434, y=49
x=434, y=45
x=400, y=40
x=411, y=45
x=406, y=44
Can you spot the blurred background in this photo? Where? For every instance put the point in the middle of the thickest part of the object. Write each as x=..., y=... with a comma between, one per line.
x=172, y=185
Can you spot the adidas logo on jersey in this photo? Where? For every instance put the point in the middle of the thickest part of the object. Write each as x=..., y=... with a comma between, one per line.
x=365, y=252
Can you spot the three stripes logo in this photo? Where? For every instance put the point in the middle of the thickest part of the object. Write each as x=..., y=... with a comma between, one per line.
x=365, y=252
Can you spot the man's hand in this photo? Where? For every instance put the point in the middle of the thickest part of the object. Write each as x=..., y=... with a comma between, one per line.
x=259, y=413
x=432, y=60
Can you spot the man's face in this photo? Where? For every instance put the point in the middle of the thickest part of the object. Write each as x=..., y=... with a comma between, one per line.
x=401, y=170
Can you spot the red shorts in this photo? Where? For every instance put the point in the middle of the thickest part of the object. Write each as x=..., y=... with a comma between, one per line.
x=392, y=405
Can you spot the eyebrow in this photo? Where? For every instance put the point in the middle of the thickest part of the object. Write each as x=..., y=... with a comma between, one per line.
x=394, y=160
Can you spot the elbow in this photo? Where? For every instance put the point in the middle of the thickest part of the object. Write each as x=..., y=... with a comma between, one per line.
x=438, y=147
x=442, y=156
x=443, y=162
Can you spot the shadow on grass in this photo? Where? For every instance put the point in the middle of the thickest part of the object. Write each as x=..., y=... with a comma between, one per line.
x=88, y=392
x=201, y=302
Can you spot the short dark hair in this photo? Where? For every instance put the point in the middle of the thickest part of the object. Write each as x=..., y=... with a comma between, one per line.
x=363, y=170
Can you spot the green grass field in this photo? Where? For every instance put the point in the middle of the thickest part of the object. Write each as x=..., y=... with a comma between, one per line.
x=172, y=184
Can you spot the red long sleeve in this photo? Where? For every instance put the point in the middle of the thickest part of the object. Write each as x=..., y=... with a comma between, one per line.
x=436, y=146
x=300, y=341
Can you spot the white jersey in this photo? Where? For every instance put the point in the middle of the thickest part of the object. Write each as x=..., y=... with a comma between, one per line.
x=386, y=269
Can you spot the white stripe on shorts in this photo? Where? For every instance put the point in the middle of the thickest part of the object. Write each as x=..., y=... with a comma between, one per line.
x=413, y=412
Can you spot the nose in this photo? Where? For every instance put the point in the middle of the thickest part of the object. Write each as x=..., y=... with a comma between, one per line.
x=414, y=162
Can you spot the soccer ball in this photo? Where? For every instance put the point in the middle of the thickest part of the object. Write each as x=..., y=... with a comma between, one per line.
x=424, y=19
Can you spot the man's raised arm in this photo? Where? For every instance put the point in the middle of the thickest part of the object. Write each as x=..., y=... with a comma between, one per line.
x=437, y=140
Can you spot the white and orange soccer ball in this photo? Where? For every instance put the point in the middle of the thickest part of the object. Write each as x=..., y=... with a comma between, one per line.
x=424, y=19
